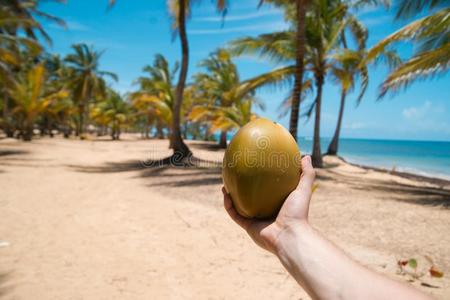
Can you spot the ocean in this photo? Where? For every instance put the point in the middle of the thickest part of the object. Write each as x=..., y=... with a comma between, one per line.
x=426, y=158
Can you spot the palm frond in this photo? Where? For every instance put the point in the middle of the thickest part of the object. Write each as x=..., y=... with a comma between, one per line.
x=424, y=28
x=277, y=78
x=358, y=30
x=421, y=66
x=409, y=8
x=285, y=105
x=278, y=47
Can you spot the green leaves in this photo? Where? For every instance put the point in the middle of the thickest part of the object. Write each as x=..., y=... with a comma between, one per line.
x=430, y=36
x=421, y=66
x=86, y=80
x=112, y=111
x=226, y=101
x=418, y=271
x=412, y=262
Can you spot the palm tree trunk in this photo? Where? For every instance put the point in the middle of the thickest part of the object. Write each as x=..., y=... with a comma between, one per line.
x=223, y=139
x=207, y=134
x=49, y=127
x=147, y=132
x=113, y=132
x=7, y=128
x=66, y=132
x=333, y=147
x=180, y=149
x=80, y=129
x=317, y=153
x=159, y=130
x=27, y=132
x=185, y=129
x=42, y=129
x=299, y=67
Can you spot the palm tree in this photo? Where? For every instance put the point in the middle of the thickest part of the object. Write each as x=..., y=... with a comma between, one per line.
x=25, y=13
x=300, y=42
x=9, y=44
x=179, y=8
x=300, y=9
x=228, y=118
x=112, y=112
x=58, y=114
x=13, y=20
x=347, y=67
x=222, y=92
x=155, y=110
x=155, y=97
x=87, y=80
x=180, y=149
x=325, y=23
x=218, y=85
x=431, y=38
x=325, y=30
x=31, y=97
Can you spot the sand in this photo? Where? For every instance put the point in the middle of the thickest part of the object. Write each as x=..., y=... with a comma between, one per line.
x=84, y=220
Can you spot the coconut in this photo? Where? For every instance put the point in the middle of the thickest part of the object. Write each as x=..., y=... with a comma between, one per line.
x=261, y=167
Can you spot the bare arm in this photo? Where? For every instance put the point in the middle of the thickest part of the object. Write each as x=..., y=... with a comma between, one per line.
x=319, y=266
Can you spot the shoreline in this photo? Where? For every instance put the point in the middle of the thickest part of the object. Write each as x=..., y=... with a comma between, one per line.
x=404, y=174
x=429, y=178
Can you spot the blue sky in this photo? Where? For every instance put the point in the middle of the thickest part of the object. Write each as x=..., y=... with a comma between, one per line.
x=132, y=32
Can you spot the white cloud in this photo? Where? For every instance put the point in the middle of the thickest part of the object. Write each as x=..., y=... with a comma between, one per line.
x=422, y=111
x=355, y=125
x=416, y=112
x=77, y=26
x=71, y=25
x=259, y=27
x=426, y=117
x=240, y=17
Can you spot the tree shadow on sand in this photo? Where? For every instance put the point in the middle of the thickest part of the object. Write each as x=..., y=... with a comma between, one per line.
x=416, y=194
x=200, y=172
x=207, y=146
x=9, y=152
x=6, y=286
x=187, y=172
x=7, y=155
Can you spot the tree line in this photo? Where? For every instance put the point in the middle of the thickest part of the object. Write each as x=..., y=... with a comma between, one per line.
x=324, y=42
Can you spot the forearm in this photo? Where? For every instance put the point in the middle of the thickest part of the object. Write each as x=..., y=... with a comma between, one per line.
x=326, y=272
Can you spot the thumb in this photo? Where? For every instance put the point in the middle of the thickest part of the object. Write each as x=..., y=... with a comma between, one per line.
x=307, y=177
x=296, y=205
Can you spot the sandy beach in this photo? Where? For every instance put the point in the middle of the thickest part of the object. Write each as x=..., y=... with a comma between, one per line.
x=86, y=220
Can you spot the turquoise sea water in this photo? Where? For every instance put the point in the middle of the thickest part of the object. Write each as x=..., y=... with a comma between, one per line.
x=427, y=158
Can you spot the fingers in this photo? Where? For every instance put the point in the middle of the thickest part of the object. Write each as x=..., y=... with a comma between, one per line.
x=228, y=204
x=307, y=178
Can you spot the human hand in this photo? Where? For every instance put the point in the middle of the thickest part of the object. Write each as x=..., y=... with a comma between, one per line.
x=293, y=215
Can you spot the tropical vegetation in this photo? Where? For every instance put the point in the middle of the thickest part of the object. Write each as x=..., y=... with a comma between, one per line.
x=42, y=93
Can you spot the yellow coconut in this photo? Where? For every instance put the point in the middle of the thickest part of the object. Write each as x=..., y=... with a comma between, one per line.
x=261, y=167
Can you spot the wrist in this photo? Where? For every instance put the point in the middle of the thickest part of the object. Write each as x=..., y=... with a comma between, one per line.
x=290, y=235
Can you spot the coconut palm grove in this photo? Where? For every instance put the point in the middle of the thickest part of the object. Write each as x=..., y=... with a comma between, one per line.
x=75, y=130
